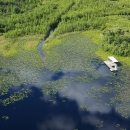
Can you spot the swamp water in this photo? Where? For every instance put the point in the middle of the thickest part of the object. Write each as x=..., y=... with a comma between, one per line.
x=69, y=99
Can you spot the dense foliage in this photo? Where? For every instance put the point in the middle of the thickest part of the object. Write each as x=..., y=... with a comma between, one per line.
x=117, y=41
x=38, y=16
x=91, y=14
x=31, y=17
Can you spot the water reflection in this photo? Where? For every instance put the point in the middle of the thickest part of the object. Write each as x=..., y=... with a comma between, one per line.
x=103, y=69
x=57, y=76
x=37, y=113
x=76, y=93
x=61, y=122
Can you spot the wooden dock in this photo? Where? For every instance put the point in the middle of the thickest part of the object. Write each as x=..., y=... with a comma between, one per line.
x=110, y=64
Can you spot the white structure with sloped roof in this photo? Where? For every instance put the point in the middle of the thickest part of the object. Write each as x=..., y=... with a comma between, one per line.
x=111, y=63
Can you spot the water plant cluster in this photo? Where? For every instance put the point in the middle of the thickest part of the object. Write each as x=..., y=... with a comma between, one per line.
x=95, y=92
x=100, y=123
x=87, y=76
x=118, y=86
x=73, y=53
x=7, y=80
x=52, y=87
x=5, y=117
x=22, y=68
x=123, y=93
x=16, y=96
x=84, y=108
x=77, y=53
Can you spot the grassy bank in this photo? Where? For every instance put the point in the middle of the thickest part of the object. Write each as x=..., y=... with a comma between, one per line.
x=11, y=47
x=96, y=37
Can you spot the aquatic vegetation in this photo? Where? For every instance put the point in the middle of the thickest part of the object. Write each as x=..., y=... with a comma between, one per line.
x=87, y=76
x=98, y=92
x=22, y=68
x=52, y=87
x=52, y=101
x=118, y=86
x=100, y=123
x=5, y=117
x=74, y=52
x=85, y=108
x=6, y=81
x=99, y=102
x=119, y=126
x=16, y=96
x=63, y=100
x=66, y=55
x=66, y=96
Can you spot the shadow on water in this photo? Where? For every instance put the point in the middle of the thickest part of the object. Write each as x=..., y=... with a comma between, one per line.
x=57, y=76
x=36, y=113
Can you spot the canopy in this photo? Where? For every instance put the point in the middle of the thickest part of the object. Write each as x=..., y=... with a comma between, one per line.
x=112, y=59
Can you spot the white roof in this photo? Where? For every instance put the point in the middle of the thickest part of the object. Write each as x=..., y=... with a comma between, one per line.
x=112, y=59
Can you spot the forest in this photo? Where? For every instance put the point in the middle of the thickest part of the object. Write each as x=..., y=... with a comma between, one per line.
x=20, y=18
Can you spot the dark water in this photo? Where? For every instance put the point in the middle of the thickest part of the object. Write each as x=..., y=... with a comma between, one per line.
x=37, y=112
x=41, y=44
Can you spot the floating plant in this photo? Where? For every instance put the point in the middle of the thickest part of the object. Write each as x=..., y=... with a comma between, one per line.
x=5, y=117
x=85, y=108
x=22, y=68
x=52, y=101
x=66, y=96
x=16, y=96
x=100, y=123
x=52, y=88
x=70, y=53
